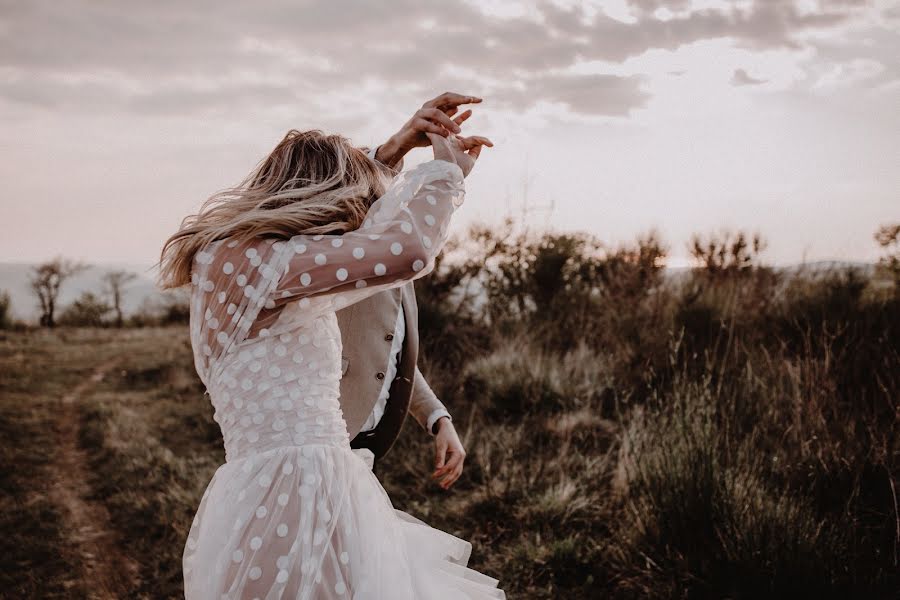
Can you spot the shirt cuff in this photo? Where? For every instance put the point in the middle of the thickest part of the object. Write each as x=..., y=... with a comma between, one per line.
x=373, y=151
x=434, y=416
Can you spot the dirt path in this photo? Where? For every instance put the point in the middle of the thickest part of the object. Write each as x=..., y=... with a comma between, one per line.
x=104, y=569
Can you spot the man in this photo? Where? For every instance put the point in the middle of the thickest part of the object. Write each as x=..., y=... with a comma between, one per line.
x=381, y=381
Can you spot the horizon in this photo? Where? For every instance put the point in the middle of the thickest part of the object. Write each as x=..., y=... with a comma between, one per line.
x=138, y=293
x=144, y=268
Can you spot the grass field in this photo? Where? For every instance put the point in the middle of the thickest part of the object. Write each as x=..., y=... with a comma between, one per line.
x=687, y=447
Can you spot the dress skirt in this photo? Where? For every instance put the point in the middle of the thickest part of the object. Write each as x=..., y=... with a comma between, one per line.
x=312, y=522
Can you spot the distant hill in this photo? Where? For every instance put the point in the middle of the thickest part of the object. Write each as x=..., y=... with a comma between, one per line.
x=15, y=277
x=819, y=266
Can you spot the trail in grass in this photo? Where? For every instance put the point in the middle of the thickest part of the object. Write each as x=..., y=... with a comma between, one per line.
x=92, y=539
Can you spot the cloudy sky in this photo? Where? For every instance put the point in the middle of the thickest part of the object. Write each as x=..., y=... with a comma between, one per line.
x=611, y=117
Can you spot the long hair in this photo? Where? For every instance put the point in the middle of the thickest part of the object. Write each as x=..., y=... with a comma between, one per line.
x=311, y=183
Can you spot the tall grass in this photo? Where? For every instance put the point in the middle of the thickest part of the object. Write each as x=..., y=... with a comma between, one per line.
x=729, y=434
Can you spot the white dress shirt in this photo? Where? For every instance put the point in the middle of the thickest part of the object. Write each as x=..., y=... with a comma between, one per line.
x=390, y=371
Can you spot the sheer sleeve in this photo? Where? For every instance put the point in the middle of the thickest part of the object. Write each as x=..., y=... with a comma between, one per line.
x=241, y=287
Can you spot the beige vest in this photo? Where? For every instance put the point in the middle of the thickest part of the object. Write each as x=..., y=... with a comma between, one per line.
x=367, y=329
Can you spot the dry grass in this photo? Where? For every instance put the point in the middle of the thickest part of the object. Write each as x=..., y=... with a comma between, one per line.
x=694, y=456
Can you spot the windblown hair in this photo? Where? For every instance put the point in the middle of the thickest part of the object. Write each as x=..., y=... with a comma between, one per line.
x=311, y=183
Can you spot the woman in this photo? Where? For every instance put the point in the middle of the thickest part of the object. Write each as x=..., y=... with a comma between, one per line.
x=294, y=513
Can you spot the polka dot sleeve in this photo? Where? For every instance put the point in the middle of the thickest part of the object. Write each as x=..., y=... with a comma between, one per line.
x=241, y=288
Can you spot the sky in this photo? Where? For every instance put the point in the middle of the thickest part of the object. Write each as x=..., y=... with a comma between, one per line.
x=614, y=118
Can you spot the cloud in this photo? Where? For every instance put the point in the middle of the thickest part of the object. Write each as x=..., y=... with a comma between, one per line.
x=651, y=6
x=741, y=77
x=849, y=73
x=596, y=94
x=211, y=56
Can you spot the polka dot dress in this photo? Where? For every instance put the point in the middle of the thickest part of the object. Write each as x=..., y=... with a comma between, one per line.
x=293, y=512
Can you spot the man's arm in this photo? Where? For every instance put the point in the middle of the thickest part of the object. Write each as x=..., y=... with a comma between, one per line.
x=449, y=454
x=424, y=404
x=387, y=157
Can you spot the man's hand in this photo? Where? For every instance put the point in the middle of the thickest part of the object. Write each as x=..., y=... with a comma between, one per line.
x=434, y=117
x=449, y=454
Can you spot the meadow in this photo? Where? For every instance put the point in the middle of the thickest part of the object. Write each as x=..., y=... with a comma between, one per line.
x=730, y=432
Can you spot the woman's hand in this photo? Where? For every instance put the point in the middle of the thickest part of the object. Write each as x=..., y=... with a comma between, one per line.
x=460, y=151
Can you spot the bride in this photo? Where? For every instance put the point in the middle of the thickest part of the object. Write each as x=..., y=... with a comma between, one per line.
x=293, y=512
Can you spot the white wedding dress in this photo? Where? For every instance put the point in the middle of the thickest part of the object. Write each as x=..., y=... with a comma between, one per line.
x=294, y=513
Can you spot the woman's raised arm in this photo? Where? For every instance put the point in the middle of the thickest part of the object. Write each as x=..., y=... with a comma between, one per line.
x=246, y=283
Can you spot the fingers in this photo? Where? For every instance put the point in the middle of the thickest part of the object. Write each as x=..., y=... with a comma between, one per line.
x=443, y=467
x=451, y=479
x=439, y=117
x=476, y=140
x=452, y=470
x=441, y=146
x=459, y=120
x=473, y=145
x=453, y=467
x=440, y=455
x=448, y=100
x=430, y=127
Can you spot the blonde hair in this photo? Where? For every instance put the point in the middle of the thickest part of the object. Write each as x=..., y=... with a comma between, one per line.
x=310, y=183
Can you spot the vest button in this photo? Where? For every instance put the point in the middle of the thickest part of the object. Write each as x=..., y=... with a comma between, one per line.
x=389, y=337
x=379, y=375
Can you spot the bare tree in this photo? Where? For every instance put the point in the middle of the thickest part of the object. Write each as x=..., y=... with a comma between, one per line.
x=46, y=280
x=115, y=283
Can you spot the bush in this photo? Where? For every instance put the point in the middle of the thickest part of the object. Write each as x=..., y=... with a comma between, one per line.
x=705, y=517
x=5, y=305
x=87, y=311
x=520, y=379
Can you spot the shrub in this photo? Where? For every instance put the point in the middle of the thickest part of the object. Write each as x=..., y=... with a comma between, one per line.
x=87, y=311
x=5, y=305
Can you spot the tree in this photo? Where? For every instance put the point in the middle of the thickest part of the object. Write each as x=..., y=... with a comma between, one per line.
x=46, y=280
x=88, y=311
x=115, y=282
